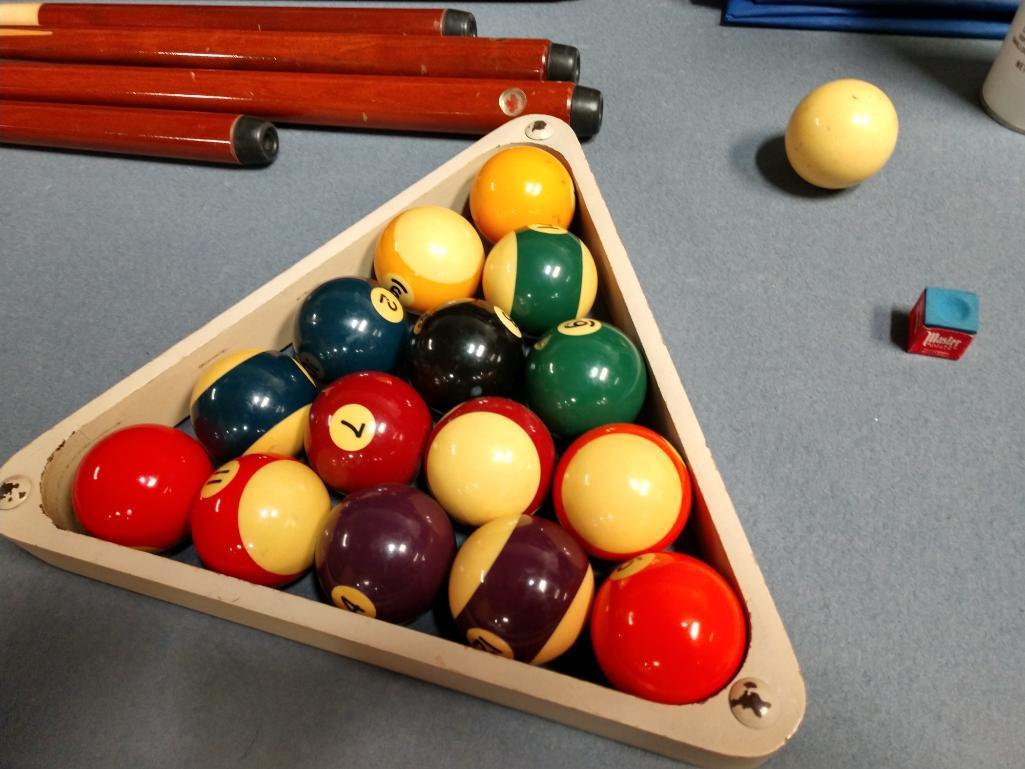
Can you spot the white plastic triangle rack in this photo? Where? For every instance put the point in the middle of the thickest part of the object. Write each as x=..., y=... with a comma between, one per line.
x=740, y=726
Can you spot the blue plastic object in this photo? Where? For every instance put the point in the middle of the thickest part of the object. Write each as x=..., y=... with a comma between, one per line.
x=348, y=325
x=945, y=18
x=952, y=309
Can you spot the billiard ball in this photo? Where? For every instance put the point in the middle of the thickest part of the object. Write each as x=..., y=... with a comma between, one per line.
x=366, y=429
x=520, y=186
x=257, y=518
x=540, y=275
x=622, y=490
x=487, y=458
x=465, y=349
x=667, y=627
x=427, y=256
x=584, y=373
x=841, y=134
x=347, y=325
x=520, y=587
x=136, y=486
x=250, y=402
x=385, y=552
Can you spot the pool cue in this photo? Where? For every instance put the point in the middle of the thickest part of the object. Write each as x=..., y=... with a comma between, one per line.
x=198, y=136
x=474, y=57
x=430, y=104
x=397, y=21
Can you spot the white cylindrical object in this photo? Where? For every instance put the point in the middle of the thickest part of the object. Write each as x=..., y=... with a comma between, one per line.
x=1003, y=93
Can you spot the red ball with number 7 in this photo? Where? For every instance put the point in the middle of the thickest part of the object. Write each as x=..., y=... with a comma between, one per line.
x=366, y=429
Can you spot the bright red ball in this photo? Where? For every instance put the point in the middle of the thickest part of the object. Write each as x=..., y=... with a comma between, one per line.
x=367, y=429
x=667, y=627
x=136, y=486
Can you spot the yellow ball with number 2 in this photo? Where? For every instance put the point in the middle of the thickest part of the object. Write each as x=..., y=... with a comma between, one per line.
x=841, y=134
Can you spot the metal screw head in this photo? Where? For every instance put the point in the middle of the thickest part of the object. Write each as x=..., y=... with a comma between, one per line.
x=753, y=703
x=539, y=130
x=14, y=491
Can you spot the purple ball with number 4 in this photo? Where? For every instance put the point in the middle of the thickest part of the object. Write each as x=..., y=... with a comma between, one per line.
x=385, y=552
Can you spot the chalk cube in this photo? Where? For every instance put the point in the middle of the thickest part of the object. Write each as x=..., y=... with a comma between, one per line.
x=943, y=323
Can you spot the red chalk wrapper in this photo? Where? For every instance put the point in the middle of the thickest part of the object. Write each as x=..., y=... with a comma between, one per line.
x=943, y=323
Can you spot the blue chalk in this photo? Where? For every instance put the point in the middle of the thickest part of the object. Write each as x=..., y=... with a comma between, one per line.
x=952, y=309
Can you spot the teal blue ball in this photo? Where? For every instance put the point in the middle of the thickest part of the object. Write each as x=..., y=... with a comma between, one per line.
x=349, y=325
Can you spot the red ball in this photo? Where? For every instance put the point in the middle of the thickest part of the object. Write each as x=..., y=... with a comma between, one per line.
x=258, y=517
x=668, y=628
x=136, y=486
x=367, y=429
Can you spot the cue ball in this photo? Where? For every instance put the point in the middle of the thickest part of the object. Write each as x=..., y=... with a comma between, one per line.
x=427, y=256
x=487, y=458
x=667, y=627
x=584, y=373
x=258, y=517
x=465, y=349
x=622, y=490
x=521, y=587
x=841, y=134
x=252, y=402
x=348, y=325
x=540, y=275
x=518, y=187
x=136, y=486
x=366, y=429
x=384, y=552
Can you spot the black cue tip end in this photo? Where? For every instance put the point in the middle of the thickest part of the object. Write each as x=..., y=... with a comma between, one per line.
x=255, y=141
x=458, y=23
x=585, y=109
x=563, y=63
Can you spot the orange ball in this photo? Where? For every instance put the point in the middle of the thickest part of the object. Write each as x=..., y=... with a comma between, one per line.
x=518, y=187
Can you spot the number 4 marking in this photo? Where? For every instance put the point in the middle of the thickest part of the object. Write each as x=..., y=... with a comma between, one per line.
x=352, y=606
x=483, y=645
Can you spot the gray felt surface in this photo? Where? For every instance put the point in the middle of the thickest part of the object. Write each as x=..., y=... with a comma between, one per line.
x=883, y=493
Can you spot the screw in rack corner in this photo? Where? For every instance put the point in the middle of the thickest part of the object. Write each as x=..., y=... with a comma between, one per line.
x=14, y=491
x=753, y=703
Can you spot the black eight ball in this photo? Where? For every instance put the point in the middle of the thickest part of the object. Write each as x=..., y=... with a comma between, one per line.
x=465, y=349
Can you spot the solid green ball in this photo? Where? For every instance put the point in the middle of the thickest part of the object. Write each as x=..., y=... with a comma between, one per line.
x=583, y=374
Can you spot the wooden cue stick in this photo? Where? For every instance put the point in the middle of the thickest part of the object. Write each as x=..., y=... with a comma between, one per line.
x=200, y=136
x=472, y=57
x=439, y=105
x=398, y=21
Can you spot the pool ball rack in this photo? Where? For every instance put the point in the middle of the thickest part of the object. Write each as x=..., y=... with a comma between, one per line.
x=723, y=731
